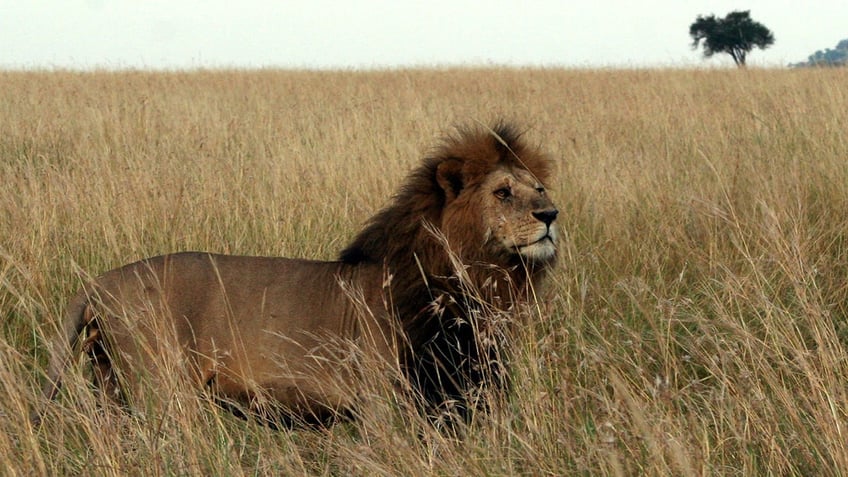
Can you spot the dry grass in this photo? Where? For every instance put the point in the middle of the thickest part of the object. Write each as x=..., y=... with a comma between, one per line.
x=696, y=323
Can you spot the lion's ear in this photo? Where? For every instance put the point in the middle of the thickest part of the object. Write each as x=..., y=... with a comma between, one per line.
x=449, y=177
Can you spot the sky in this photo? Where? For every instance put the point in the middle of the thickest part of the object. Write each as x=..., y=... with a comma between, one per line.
x=366, y=34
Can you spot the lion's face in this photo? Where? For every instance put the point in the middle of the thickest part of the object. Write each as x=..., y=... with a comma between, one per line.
x=518, y=214
x=514, y=214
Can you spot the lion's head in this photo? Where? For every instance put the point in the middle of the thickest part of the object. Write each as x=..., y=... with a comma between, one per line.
x=498, y=216
x=483, y=189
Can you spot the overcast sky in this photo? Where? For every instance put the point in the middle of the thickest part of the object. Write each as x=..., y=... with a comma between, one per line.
x=158, y=34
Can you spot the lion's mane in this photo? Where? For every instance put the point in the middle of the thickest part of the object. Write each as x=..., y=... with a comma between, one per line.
x=443, y=359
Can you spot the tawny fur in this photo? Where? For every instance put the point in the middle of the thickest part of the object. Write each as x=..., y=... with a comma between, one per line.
x=286, y=329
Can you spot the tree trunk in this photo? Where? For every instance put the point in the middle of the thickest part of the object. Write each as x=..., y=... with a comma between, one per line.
x=738, y=56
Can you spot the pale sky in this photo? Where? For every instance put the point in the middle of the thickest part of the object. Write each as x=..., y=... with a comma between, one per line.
x=187, y=34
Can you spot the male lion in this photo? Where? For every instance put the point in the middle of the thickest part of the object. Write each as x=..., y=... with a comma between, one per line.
x=472, y=227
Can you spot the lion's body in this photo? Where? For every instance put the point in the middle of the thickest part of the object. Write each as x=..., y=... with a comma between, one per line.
x=237, y=324
x=284, y=328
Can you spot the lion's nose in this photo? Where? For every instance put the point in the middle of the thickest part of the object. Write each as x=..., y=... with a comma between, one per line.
x=546, y=216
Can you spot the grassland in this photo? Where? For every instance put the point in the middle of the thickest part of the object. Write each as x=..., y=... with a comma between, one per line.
x=697, y=322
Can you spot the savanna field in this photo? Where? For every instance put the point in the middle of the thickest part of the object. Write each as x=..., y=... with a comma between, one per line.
x=696, y=322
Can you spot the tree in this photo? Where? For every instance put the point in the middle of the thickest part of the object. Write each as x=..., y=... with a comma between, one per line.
x=736, y=34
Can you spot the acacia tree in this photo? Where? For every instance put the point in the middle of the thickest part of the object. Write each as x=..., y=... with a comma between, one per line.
x=736, y=34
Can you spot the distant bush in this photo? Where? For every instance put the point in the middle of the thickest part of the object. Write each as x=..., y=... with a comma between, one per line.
x=828, y=57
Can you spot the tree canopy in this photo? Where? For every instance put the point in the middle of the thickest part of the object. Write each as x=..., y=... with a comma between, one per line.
x=736, y=34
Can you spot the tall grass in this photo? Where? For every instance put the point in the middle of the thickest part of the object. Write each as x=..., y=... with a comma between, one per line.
x=695, y=324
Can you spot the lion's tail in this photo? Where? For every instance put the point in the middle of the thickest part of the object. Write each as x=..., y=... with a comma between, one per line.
x=76, y=316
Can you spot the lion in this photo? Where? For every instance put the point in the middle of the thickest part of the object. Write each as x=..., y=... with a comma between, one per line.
x=472, y=226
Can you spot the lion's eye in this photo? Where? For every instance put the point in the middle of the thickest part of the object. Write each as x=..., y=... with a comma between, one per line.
x=540, y=190
x=503, y=193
